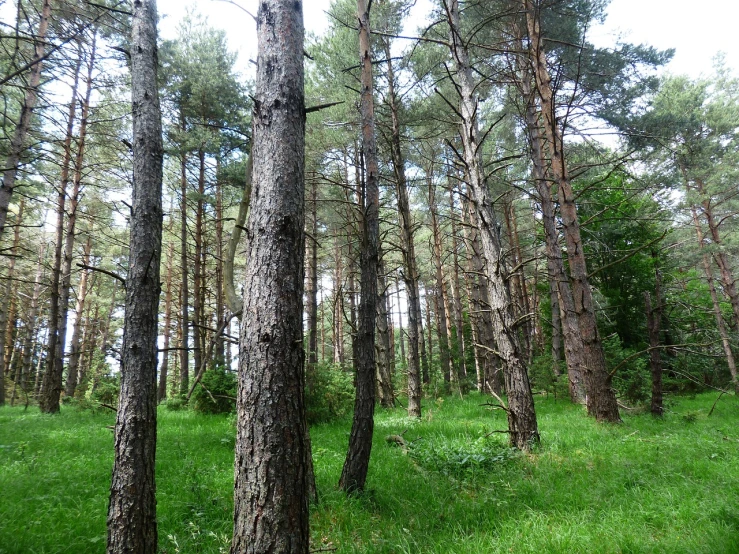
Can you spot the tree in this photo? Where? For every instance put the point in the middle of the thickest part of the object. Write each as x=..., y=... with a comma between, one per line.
x=270, y=493
x=132, y=509
x=354, y=473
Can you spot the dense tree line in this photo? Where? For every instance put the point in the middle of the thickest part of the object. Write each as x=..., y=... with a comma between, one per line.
x=423, y=214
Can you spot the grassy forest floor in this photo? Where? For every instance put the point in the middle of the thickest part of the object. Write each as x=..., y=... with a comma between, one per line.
x=647, y=485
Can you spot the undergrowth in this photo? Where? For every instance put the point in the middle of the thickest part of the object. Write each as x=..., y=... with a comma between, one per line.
x=647, y=485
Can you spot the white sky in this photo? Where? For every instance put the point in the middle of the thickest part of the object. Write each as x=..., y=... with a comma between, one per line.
x=697, y=30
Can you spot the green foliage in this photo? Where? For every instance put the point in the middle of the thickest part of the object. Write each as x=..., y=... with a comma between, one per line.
x=106, y=390
x=217, y=394
x=329, y=393
x=461, y=457
x=175, y=404
x=632, y=379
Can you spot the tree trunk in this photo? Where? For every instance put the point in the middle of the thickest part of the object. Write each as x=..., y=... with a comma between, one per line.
x=18, y=141
x=312, y=281
x=356, y=465
x=74, y=351
x=198, y=308
x=385, y=391
x=720, y=324
x=522, y=424
x=442, y=333
x=31, y=327
x=132, y=523
x=270, y=492
x=220, y=305
x=410, y=273
x=456, y=295
x=655, y=360
x=51, y=388
x=164, y=369
x=601, y=398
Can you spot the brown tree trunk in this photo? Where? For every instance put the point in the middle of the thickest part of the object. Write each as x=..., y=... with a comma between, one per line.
x=6, y=307
x=338, y=305
x=184, y=283
x=51, y=387
x=385, y=392
x=655, y=360
x=442, y=327
x=311, y=288
x=74, y=350
x=601, y=398
x=199, y=322
x=71, y=231
x=164, y=369
x=18, y=141
x=356, y=465
x=271, y=485
x=132, y=525
x=410, y=273
x=456, y=294
x=31, y=327
x=220, y=302
x=720, y=324
x=522, y=424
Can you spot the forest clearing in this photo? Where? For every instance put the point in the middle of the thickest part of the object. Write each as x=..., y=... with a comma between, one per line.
x=442, y=276
x=646, y=486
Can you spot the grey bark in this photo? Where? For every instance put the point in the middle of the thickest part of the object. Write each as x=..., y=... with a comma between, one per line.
x=132, y=523
x=522, y=424
x=271, y=474
x=74, y=349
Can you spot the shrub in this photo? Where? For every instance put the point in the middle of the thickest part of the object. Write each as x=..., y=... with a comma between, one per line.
x=175, y=404
x=329, y=393
x=221, y=384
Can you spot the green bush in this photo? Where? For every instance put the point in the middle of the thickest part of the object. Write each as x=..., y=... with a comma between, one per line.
x=329, y=393
x=220, y=396
x=463, y=458
x=106, y=390
x=175, y=404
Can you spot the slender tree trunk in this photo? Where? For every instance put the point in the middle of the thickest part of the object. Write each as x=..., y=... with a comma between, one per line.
x=271, y=488
x=720, y=324
x=198, y=269
x=164, y=369
x=52, y=385
x=338, y=311
x=356, y=465
x=184, y=283
x=456, y=295
x=220, y=348
x=71, y=231
x=74, y=351
x=559, y=283
x=132, y=523
x=385, y=391
x=18, y=141
x=312, y=281
x=655, y=360
x=522, y=424
x=31, y=327
x=447, y=367
x=7, y=316
x=601, y=398
x=401, y=330
x=410, y=273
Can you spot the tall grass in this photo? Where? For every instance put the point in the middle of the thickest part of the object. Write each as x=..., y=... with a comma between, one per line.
x=647, y=485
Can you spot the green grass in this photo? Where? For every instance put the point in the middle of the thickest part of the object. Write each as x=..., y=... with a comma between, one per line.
x=647, y=485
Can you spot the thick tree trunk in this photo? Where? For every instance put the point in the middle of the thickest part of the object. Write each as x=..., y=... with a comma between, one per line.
x=601, y=398
x=51, y=388
x=132, y=523
x=271, y=481
x=164, y=369
x=18, y=141
x=356, y=465
x=74, y=350
x=522, y=424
